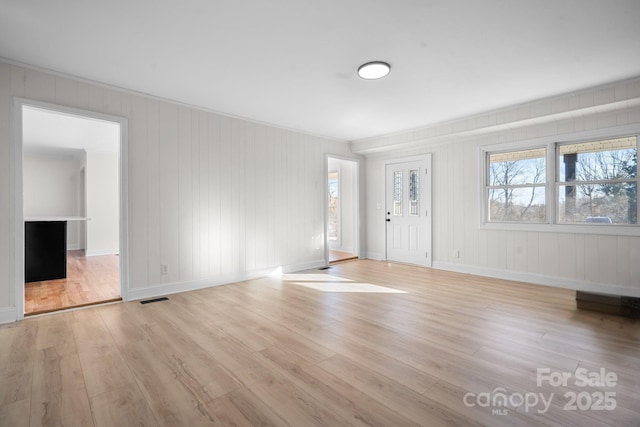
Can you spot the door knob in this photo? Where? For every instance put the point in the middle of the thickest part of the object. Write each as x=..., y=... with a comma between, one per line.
x=388, y=219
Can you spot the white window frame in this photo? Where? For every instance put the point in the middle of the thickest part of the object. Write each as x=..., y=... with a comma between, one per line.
x=550, y=143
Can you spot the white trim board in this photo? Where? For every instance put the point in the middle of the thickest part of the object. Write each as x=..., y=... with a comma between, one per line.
x=539, y=279
x=8, y=315
x=192, y=285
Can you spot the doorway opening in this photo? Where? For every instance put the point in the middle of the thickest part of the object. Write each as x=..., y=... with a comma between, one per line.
x=69, y=210
x=342, y=217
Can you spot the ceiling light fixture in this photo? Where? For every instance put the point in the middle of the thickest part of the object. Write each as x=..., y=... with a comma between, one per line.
x=374, y=70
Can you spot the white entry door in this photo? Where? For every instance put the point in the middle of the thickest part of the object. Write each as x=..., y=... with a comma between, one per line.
x=408, y=210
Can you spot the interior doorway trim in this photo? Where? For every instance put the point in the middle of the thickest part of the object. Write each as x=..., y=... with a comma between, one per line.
x=356, y=204
x=18, y=197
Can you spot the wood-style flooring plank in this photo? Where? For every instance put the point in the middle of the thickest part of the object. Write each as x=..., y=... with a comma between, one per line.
x=276, y=352
x=90, y=280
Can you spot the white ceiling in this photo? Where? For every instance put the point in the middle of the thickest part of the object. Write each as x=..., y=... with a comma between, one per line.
x=293, y=63
x=51, y=132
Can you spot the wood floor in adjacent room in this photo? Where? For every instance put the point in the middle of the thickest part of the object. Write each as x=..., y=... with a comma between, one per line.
x=90, y=280
x=338, y=256
x=365, y=343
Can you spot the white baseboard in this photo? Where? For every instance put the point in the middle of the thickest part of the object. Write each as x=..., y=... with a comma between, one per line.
x=8, y=315
x=73, y=247
x=303, y=266
x=101, y=252
x=539, y=279
x=373, y=255
x=192, y=285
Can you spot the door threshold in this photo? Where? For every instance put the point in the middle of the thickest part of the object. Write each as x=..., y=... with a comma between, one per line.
x=338, y=261
x=71, y=307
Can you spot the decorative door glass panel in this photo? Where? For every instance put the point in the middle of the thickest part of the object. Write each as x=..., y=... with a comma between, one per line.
x=397, y=193
x=414, y=192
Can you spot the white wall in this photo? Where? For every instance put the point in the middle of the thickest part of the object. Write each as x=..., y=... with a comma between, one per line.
x=51, y=188
x=605, y=263
x=102, y=203
x=215, y=198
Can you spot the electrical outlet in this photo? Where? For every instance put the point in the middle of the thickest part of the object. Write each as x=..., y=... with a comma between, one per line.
x=164, y=269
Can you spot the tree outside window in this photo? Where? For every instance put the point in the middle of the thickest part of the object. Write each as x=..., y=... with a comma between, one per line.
x=597, y=182
x=516, y=187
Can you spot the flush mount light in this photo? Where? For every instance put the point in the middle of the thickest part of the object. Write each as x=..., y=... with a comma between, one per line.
x=374, y=70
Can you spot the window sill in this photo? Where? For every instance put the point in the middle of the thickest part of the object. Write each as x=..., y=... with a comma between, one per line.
x=606, y=230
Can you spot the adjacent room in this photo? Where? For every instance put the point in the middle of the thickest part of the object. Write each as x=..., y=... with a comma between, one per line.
x=71, y=184
x=295, y=213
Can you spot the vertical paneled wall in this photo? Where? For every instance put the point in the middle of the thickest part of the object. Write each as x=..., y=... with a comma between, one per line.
x=209, y=195
x=565, y=259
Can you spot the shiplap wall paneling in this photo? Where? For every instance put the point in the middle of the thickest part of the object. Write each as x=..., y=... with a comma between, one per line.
x=40, y=86
x=222, y=201
x=201, y=231
x=591, y=252
x=549, y=254
x=533, y=252
x=261, y=179
x=566, y=254
x=168, y=189
x=154, y=239
x=238, y=179
x=250, y=197
x=277, y=163
x=471, y=199
x=195, y=203
x=216, y=186
x=607, y=259
x=458, y=193
x=494, y=250
x=440, y=187
x=185, y=194
x=316, y=223
x=520, y=254
x=66, y=92
x=624, y=256
x=580, y=249
x=292, y=206
x=138, y=206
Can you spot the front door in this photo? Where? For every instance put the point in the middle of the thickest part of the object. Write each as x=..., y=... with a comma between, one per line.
x=408, y=210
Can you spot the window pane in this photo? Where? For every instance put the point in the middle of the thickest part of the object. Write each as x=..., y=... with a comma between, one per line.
x=598, y=203
x=598, y=160
x=414, y=192
x=598, y=196
x=397, y=193
x=517, y=167
x=517, y=204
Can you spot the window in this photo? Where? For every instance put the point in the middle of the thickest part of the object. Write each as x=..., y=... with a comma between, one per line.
x=516, y=186
x=597, y=182
x=591, y=182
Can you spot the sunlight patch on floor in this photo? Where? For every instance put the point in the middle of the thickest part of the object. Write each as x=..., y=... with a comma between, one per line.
x=349, y=287
x=313, y=278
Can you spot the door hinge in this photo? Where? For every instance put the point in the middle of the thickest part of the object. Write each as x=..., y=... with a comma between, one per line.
x=426, y=212
x=426, y=255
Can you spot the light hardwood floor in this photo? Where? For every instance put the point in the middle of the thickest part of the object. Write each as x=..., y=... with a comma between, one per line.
x=338, y=256
x=322, y=348
x=90, y=280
